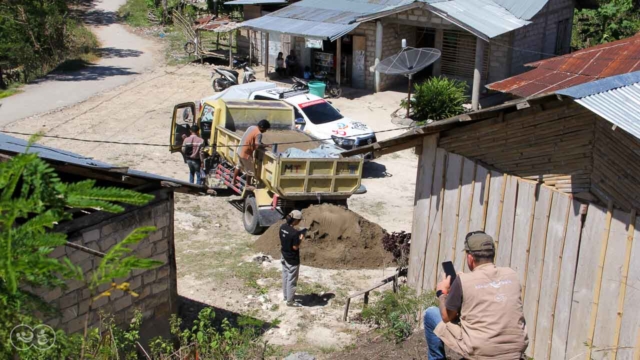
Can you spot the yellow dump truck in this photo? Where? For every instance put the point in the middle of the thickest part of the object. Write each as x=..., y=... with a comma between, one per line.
x=281, y=183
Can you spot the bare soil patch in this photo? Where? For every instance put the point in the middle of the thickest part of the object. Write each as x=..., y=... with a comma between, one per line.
x=337, y=239
x=373, y=347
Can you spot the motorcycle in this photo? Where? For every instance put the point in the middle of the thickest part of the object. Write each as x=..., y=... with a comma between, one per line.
x=230, y=77
x=332, y=88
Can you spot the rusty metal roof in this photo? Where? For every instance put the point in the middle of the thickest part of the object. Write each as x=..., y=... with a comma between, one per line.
x=550, y=75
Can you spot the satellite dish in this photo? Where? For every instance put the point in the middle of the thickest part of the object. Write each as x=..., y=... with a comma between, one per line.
x=408, y=62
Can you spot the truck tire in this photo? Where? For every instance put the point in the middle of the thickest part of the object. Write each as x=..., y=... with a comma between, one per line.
x=250, y=218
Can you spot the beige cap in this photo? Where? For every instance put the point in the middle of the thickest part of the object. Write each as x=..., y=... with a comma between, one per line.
x=478, y=241
x=296, y=214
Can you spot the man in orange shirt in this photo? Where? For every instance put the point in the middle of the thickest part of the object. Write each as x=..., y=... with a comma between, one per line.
x=251, y=141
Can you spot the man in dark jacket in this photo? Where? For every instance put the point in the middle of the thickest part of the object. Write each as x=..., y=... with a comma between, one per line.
x=290, y=239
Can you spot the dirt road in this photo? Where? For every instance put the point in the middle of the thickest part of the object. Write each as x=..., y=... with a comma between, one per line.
x=212, y=247
x=124, y=55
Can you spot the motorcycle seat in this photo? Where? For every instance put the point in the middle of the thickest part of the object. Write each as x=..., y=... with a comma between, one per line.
x=235, y=73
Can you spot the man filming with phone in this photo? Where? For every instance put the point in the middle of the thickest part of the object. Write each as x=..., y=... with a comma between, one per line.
x=480, y=314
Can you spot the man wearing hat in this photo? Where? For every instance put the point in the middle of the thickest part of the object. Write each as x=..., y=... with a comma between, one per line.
x=480, y=315
x=290, y=239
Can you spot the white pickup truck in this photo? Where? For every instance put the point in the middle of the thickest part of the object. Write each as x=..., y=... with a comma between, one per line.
x=314, y=115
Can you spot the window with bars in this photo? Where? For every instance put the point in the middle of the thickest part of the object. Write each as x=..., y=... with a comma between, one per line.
x=458, y=57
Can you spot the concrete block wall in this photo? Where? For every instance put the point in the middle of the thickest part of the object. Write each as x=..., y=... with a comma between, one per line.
x=499, y=58
x=391, y=45
x=156, y=287
x=536, y=41
x=368, y=30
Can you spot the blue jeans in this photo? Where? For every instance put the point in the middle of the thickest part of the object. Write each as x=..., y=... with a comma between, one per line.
x=432, y=318
x=194, y=168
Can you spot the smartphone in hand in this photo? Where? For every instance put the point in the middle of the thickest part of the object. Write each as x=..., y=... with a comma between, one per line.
x=449, y=270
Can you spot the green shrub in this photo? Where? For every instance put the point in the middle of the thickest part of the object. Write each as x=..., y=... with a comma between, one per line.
x=397, y=314
x=135, y=12
x=437, y=98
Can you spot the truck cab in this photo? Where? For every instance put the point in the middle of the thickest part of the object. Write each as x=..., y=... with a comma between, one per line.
x=319, y=118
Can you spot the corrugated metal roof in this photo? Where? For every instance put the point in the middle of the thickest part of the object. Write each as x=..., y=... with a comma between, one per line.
x=255, y=2
x=522, y=9
x=550, y=75
x=12, y=145
x=484, y=18
x=321, y=19
x=615, y=99
x=316, y=18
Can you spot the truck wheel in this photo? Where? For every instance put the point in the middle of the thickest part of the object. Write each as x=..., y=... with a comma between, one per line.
x=250, y=217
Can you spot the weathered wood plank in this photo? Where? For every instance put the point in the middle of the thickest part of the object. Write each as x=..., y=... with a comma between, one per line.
x=504, y=240
x=610, y=289
x=424, y=181
x=522, y=227
x=630, y=327
x=435, y=223
x=535, y=261
x=584, y=282
x=494, y=208
x=450, y=209
x=466, y=199
x=562, y=310
x=549, y=281
x=478, y=205
x=602, y=257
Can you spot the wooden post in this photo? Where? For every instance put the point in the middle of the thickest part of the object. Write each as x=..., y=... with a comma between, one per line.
x=250, y=46
x=338, y=60
x=366, y=300
x=437, y=66
x=409, y=98
x=346, y=310
x=217, y=41
x=231, y=51
x=477, y=74
x=379, y=34
x=266, y=55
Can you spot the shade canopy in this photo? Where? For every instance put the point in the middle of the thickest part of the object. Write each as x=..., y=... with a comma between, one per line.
x=408, y=61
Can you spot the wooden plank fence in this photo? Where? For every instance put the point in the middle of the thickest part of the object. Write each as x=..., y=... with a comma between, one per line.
x=579, y=264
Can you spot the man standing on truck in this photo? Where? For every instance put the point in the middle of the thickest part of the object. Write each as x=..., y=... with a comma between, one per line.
x=250, y=142
x=192, y=152
x=290, y=239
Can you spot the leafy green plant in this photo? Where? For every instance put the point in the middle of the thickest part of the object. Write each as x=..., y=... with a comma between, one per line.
x=396, y=313
x=213, y=342
x=437, y=98
x=612, y=20
x=33, y=200
x=113, y=342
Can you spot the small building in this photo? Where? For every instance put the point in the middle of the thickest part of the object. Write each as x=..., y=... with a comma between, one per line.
x=91, y=233
x=254, y=42
x=583, y=66
x=554, y=180
x=485, y=40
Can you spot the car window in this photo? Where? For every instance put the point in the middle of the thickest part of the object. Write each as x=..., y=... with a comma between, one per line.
x=297, y=113
x=262, y=97
x=320, y=112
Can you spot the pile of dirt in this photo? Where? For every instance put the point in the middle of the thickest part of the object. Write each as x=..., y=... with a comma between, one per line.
x=337, y=239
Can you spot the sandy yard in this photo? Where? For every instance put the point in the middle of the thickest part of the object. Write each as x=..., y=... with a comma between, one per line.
x=214, y=254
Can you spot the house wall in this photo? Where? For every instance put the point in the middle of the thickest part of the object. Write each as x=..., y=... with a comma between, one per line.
x=537, y=41
x=553, y=144
x=579, y=294
x=616, y=168
x=157, y=287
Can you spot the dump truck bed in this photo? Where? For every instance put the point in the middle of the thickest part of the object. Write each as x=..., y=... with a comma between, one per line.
x=295, y=178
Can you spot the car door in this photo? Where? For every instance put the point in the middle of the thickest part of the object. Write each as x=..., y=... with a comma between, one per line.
x=184, y=116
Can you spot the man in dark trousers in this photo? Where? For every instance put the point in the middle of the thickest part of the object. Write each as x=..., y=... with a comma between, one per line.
x=290, y=239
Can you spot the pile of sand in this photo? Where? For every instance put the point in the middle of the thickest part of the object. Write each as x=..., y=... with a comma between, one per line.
x=337, y=239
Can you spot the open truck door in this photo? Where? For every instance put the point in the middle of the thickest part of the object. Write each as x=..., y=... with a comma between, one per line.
x=184, y=116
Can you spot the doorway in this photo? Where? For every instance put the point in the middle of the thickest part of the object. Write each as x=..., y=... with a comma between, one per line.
x=425, y=38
